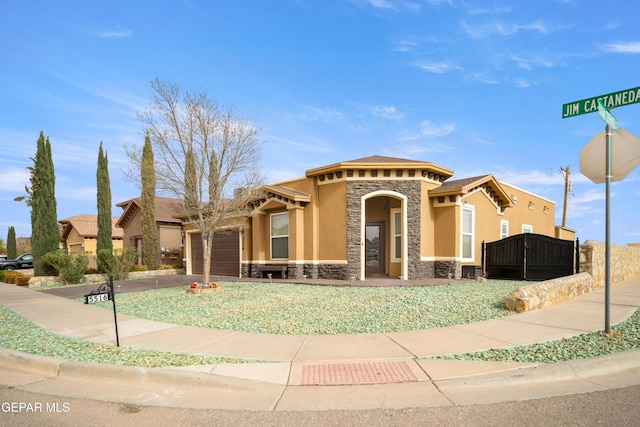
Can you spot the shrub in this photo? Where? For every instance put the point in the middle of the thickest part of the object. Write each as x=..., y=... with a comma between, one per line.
x=139, y=267
x=69, y=265
x=117, y=263
x=10, y=276
x=91, y=270
x=2, y=275
x=21, y=279
x=166, y=267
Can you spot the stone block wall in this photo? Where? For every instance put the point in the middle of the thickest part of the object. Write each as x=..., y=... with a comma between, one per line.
x=549, y=292
x=624, y=264
x=96, y=278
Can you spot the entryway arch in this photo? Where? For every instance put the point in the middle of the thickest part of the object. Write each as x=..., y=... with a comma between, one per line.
x=385, y=219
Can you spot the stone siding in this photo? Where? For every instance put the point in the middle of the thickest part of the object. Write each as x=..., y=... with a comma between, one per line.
x=442, y=269
x=416, y=269
x=624, y=264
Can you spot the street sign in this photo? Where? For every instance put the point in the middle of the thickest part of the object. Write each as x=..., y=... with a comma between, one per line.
x=610, y=100
x=606, y=116
x=625, y=156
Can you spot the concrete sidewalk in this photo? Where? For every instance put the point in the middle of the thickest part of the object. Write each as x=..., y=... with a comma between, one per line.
x=348, y=371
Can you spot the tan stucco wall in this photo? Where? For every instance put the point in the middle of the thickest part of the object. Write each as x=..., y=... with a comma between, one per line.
x=133, y=229
x=75, y=240
x=565, y=233
x=519, y=214
x=427, y=222
x=487, y=223
x=332, y=221
x=447, y=231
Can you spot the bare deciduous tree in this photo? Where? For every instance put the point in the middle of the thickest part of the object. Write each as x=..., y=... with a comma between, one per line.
x=203, y=154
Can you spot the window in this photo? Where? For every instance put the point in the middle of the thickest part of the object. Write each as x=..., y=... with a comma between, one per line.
x=280, y=236
x=396, y=250
x=504, y=229
x=467, y=232
x=526, y=228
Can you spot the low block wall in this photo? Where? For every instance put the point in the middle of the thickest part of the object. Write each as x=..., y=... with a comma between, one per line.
x=95, y=278
x=549, y=292
x=624, y=264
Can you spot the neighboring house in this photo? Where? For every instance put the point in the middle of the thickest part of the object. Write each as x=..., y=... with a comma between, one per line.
x=169, y=228
x=79, y=234
x=376, y=216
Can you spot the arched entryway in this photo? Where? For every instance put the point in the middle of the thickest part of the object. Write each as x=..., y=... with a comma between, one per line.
x=383, y=234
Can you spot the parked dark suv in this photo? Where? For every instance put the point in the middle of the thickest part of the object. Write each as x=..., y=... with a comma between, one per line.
x=23, y=261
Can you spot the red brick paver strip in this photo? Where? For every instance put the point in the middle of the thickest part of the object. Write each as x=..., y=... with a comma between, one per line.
x=357, y=373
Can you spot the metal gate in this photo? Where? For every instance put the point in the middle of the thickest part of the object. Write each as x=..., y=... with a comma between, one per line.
x=530, y=256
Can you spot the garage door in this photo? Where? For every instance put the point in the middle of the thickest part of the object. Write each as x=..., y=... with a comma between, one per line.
x=225, y=255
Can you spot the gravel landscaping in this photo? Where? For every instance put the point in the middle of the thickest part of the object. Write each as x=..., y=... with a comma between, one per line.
x=304, y=309
x=284, y=308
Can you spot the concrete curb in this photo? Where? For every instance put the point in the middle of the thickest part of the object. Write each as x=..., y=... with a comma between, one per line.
x=525, y=383
x=582, y=369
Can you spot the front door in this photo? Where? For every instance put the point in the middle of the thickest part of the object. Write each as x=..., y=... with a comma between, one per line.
x=374, y=246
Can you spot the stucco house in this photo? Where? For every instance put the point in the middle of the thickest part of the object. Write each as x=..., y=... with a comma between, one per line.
x=168, y=225
x=377, y=216
x=79, y=234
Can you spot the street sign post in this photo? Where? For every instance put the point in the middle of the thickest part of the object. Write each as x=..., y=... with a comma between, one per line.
x=610, y=100
x=602, y=104
x=606, y=116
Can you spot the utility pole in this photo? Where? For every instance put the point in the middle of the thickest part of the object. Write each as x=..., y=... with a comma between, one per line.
x=565, y=172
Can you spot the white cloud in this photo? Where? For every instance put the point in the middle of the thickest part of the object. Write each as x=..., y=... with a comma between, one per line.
x=410, y=151
x=115, y=31
x=473, y=10
x=611, y=26
x=437, y=67
x=316, y=114
x=628, y=47
x=428, y=130
x=523, y=83
x=508, y=29
x=115, y=34
x=14, y=179
x=431, y=130
x=531, y=62
x=483, y=78
x=404, y=45
x=394, y=4
x=387, y=112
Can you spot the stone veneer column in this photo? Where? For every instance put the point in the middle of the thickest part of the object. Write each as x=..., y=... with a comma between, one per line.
x=412, y=189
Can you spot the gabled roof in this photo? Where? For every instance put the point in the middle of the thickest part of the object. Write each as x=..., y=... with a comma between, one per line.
x=382, y=162
x=166, y=208
x=462, y=187
x=87, y=226
x=294, y=195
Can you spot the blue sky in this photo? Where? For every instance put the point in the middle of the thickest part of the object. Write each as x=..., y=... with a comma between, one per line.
x=475, y=86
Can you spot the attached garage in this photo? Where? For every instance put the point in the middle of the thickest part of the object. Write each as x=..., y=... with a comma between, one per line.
x=225, y=255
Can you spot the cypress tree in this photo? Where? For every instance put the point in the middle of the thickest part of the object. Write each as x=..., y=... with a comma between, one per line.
x=104, y=204
x=12, y=251
x=45, y=233
x=148, y=202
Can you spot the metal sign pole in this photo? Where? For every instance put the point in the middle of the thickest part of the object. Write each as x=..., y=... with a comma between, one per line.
x=607, y=248
x=113, y=300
